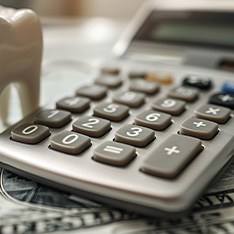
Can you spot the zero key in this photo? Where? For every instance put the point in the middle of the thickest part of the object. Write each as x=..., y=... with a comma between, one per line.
x=170, y=158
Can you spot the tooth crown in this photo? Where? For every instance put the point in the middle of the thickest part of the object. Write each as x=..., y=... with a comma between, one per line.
x=20, y=58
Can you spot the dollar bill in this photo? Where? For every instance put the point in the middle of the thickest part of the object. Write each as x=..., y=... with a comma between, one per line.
x=30, y=207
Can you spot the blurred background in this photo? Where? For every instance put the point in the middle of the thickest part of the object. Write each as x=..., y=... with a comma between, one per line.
x=121, y=9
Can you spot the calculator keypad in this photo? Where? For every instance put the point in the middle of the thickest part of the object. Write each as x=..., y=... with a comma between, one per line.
x=133, y=132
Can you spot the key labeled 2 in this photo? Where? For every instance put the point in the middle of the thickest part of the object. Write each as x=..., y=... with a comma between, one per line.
x=91, y=126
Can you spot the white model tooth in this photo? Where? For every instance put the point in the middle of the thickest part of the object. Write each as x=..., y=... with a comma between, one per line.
x=20, y=58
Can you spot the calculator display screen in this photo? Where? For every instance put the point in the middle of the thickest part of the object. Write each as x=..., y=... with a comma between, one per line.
x=209, y=29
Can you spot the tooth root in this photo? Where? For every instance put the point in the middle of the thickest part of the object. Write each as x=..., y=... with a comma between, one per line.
x=20, y=56
x=4, y=103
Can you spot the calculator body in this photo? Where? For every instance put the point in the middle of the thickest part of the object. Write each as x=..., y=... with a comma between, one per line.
x=128, y=187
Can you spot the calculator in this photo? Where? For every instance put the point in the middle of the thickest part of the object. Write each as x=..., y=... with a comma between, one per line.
x=153, y=128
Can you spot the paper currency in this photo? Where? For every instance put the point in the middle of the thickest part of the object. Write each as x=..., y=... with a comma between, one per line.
x=29, y=207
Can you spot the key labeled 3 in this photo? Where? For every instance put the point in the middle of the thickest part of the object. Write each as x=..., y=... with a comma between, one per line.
x=135, y=135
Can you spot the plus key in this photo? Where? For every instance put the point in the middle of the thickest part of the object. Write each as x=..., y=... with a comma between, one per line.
x=171, y=157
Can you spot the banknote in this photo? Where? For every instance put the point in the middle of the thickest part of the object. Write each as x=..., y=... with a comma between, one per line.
x=29, y=207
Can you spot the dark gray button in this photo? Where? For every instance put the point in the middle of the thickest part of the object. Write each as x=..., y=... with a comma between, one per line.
x=135, y=135
x=130, y=99
x=73, y=104
x=170, y=106
x=91, y=126
x=214, y=113
x=110, y=70
x=30, y=133
x=114, y=153
x=153, y=119
x=170, y=158
x=223, y=99
x=144, y=86
x=137, y=75
x=199, y=128
x=70, y=142
x=109, y=81
x=111, y=111
x=183, y=93
x=93, y=92
x=199, y=82
x=53, y=118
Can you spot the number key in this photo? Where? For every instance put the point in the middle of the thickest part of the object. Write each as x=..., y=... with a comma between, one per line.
x=30, y=133
x=111, y=111
x=135, y=135
x=130, y=99
x=170, y=106
x=70, y=142
x=153, y=119
x=53, y=118
x=73, y=104
x=91, y=126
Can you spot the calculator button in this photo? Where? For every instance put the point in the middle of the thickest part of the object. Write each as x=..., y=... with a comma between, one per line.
x=144, y=86
x=202, y=129
x=70, y=142
x=170, y=106
x=109, y=81
x=53, y=118
x=213, y=113
x=110, y=71
x=130, y=99
x=73, y=104
x=199, y=82
x=223, y=99
x=170, y=158
x=93, y=92
x=164, y=79
x=111, y=111
x=91, y=126
x=137, y=75
x=228, y=87
x=153, y=119
x=30, y=133
x=183, y=93
x=135, y=135
x=114, y=153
